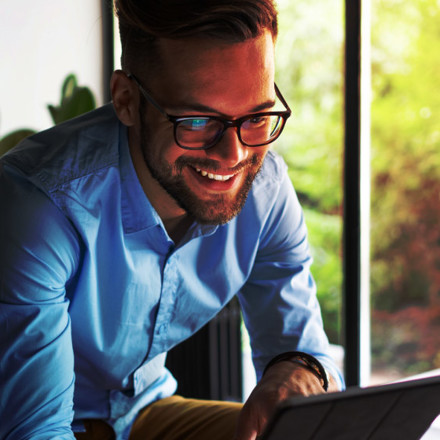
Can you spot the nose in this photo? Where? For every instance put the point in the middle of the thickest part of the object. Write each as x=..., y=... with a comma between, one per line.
x=229, y=150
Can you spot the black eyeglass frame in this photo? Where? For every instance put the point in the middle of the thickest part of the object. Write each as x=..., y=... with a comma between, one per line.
x=227, y=123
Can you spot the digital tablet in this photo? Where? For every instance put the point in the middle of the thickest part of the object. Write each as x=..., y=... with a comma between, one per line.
x=403, y=411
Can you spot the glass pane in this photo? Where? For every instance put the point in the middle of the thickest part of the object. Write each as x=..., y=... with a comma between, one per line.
x=310, y=76
x=405, y=210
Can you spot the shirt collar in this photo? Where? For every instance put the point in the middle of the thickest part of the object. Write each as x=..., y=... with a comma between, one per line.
x=137, y=212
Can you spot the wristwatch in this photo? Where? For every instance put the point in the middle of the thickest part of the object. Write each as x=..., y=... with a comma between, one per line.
x=306, y=360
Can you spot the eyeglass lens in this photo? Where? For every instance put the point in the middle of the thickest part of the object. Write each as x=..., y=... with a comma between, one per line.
x=200, y=132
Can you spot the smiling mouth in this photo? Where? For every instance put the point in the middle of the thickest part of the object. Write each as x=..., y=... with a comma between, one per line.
x=212, y=176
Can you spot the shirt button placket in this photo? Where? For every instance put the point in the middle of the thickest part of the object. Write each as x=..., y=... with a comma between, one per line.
x=168, y=294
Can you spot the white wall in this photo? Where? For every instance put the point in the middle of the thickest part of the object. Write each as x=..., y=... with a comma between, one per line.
x=40, y=43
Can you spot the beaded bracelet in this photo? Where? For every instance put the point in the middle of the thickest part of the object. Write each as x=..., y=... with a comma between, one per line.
x=305, y=359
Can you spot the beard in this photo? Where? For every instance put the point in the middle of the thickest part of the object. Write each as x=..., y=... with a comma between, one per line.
x=220, y=208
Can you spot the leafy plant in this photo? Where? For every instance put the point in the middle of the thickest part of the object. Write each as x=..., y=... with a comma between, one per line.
x=75, y=100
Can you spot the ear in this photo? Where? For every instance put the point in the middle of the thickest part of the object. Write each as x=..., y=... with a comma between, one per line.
x=125, y=98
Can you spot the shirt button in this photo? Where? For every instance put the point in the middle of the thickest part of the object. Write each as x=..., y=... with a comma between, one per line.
x=162, y=328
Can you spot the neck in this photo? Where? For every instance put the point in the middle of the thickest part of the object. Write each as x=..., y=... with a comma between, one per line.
x=177, y=227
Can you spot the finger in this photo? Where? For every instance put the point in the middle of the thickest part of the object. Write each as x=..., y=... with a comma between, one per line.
x=246, y=429
x=243, y=435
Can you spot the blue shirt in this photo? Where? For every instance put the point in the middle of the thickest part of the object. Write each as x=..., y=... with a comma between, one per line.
x=93, y=292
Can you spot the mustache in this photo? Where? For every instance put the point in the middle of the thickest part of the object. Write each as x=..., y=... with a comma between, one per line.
x=213, y=165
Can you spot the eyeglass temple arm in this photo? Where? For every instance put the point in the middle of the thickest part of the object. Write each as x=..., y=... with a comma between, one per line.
x=147, y=95
x=281, y=97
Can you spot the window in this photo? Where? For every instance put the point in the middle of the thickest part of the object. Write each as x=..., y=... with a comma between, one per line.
x=309, y=71
x=405, y=188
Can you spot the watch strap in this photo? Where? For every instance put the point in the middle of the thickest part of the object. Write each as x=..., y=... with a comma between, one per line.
x=304, y=359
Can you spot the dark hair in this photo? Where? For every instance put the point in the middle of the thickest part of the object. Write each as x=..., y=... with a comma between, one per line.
x=143, y=22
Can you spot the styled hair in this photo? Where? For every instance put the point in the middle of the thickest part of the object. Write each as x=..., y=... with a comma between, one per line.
x=143, y=22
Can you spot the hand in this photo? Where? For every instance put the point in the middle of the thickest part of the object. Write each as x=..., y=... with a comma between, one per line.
x=282, y=380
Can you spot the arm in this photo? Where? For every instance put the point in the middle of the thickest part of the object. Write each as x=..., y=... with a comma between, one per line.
x=38, y=255
x=282, y=314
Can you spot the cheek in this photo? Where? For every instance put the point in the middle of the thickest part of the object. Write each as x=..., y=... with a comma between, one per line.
x=166, y=148
x=160, y=140
x=261, y=154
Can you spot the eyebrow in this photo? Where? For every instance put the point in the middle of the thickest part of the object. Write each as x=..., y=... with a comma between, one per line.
x=191, y=107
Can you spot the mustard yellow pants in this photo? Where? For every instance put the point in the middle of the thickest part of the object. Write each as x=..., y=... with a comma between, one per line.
x=175, y=418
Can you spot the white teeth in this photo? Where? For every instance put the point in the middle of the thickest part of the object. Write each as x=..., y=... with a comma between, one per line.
x=213, y=176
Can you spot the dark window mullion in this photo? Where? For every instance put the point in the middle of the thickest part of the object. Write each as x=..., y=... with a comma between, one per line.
x=107, y=48
x=351, y=242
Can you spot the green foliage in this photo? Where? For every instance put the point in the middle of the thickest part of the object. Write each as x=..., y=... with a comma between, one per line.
x=309, y=74
x=12, y=139
x=74, y=101
x=325, y=242
x=405, y=154
x=405, y=209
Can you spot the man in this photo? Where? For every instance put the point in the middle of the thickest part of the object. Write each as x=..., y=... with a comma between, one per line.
x=127, y=229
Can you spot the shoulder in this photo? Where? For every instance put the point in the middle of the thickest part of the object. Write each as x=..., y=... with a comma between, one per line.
x=272, y=213
x=273, y=171
x=40, y=247
x=272, y=184
x=69, y=150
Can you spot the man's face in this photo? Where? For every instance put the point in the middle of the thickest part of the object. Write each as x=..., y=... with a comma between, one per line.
x=206, y=78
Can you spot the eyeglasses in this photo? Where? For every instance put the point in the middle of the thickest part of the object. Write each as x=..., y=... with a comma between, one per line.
x=200, y=132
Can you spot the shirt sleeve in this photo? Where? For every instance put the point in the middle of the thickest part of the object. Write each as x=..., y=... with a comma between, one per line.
x=280, y=308
x=38, y=255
